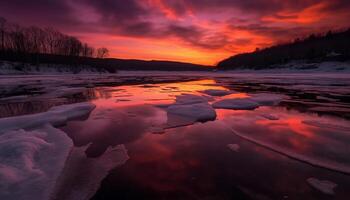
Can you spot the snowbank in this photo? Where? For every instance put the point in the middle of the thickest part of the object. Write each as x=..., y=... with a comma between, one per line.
x=15, y=68
x=63, y=91
x=302, y=67
x=31, y=161
x=56, y=116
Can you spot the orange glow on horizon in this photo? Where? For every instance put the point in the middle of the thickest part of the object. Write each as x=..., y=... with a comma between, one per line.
x=184, y=31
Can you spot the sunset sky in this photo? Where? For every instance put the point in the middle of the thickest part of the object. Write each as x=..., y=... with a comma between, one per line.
x=197, y=31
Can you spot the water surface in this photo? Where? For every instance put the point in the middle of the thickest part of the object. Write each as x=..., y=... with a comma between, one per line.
x=273, y=144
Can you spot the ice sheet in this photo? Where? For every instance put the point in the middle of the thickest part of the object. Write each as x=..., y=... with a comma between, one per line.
x=55, y=116
x=31, y=161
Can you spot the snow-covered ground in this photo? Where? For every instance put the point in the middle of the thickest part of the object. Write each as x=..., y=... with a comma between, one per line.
x=36, y=158
x=13, y=68
x=8, y=68
x=39, y=144
x=304, y=67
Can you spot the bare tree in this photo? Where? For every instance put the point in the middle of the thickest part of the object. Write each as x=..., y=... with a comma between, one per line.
x=2, y=32
x=87, y=51
x=102, y=52
x=33, y=41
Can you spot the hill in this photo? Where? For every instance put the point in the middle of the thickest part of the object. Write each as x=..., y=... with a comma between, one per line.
x=77, y=64
x=47, y=49
x=314, y=48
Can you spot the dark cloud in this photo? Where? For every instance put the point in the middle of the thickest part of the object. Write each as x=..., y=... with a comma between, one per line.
x=36, y=11
x=198, y=36
x=135, y=18
x=178, y=7
x=117, y=10
x=280, y=34
x=258, y=7
x=242, y=41
x=139, y=29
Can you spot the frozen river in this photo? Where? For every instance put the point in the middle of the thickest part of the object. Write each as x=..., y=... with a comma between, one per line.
x=172, y=136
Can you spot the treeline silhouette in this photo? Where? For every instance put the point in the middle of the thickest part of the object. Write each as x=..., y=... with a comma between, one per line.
x=35, y=46
x=18, y=40
x=314, y=48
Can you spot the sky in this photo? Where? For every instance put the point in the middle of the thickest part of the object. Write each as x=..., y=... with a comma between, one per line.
x=197, y=31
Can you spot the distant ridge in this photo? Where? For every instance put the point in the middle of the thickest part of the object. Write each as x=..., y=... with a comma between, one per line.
x=33, y=46
x=112, y=65
x=315, y=48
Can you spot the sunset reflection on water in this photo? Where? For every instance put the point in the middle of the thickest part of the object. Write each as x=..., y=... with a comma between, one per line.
x=194, y=162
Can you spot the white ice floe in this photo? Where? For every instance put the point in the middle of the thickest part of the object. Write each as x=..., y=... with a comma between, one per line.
x=266, y=99
x=236, y=104
x=199, y=112
x=191, y=99
x=326, y=187
x=31, y=161
x=249, y=103
x=233, y=147
x=189, y=108
x=41, y=163
x=82, y=176
x=214, y=92
x=56, y=116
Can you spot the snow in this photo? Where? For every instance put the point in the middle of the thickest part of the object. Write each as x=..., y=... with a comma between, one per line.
x=22, y=68
x=233, y=147
x=189, y=108
x=236, y=104
x=31, y=161
x=56, y=116
x=82, y=176
x=302, y=67
x=266, y=99
x=39, y=162
x=214, y=92
x=199, y=112
x=191, y=99
x=64, y=91
x=324, y=186
x=249, y=103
